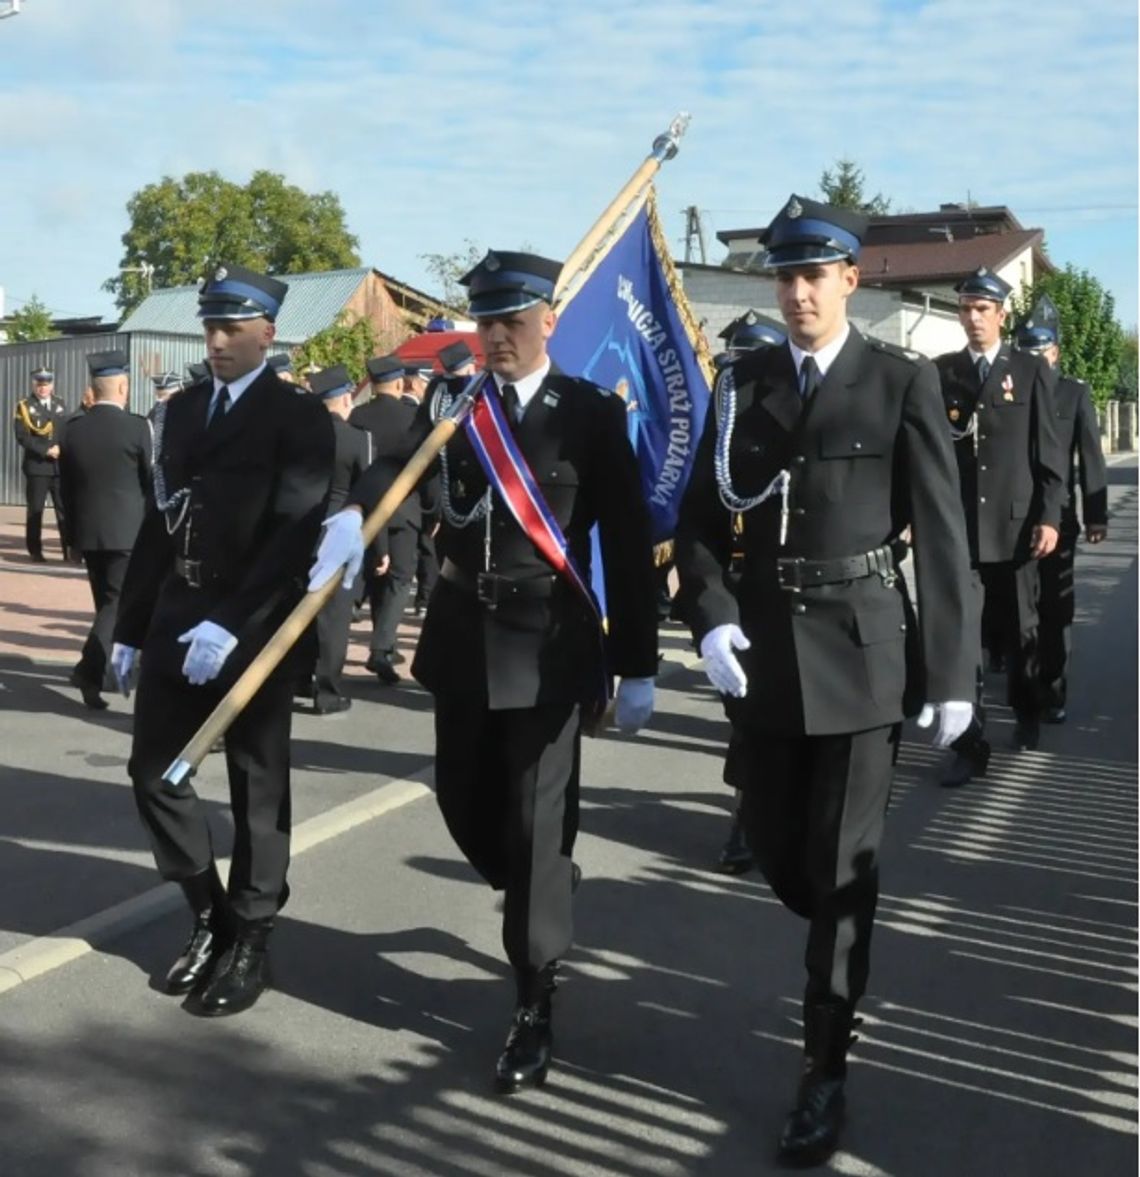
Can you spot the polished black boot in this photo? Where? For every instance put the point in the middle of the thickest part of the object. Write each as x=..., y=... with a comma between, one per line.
x=242, y=974
x=811, y=1132
x=526, y=1056
x=735, y=856
x=211, y=935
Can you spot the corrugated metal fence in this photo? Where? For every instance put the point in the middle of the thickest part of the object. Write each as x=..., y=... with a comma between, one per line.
x=150, y=352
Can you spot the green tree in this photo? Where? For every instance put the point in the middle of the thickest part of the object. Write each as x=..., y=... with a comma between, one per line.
x=1128, y=380
x=845, y=187
x=351, y=341
x=1092, y=341
x=180, y=226
x=31, y=323
x=448, y=268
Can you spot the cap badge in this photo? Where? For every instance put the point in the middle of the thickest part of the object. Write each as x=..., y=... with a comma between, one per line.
x=221, y=274
x=491, y=262
x=794, y=209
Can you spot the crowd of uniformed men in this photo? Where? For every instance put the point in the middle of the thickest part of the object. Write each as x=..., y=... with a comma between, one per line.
x=828, y=458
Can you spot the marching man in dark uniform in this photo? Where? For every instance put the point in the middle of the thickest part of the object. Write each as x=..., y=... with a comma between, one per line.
x=828, y=447
x=1081, y=460
x=166, y=384
x=104, y=472
x=241, y=479
x=336, y=388
x=38, y=424
x=282, y=365
x=999, y=406
x=512, y=645
x=746, y=332
x=388, y=418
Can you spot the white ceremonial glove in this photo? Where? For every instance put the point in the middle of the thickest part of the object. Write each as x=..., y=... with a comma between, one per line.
x=721, y=665
x=341, y=544
x=634, y=703
x=210, y=646
x=953, y=719
x=124, y=659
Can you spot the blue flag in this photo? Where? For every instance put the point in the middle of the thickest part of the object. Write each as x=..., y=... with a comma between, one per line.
x=629, y=329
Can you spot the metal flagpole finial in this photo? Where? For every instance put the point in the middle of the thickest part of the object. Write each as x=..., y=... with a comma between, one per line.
x=666, y=146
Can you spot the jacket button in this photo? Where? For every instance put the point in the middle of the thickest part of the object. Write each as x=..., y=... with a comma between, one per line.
x=856, y=445
x=982, y=499
x=799, y=459
x=799, y=608
x=798, y=511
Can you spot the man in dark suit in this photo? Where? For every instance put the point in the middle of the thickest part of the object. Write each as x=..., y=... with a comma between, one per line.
x=241, y=478
x=1078, y=435
x=38, y=424
x=388, y=418
x=512, y=647
x=999, y=406
x=828, y=447
x=104, y=472
x=336, y=388
x=166, y=384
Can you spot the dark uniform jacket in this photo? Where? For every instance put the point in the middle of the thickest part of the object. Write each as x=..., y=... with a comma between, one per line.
x=31, y=421
x=867, y=455
x=390, y=421
x=353, y=455
x=259, y=482
x=104, y=477
x=1011, y=473
x=1078, y=434
x=535, y=650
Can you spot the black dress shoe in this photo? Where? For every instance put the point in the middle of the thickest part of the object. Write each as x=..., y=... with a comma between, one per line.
x=997, y=664
x=91, y=697
x=381, y=666
x=242, y=975
x=211, y=935
x=38, y=558
x=811, y=1132
x=1054, y=715
x=526, y=1057
x=331, y=704
x=735, y=856
x=1027, y=734
x=306, y=688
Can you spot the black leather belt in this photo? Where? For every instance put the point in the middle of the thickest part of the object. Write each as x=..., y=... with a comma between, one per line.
x=795, y=574
x=492, y=589
x=192, y=571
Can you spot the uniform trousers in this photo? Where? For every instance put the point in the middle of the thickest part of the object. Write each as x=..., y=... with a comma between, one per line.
x=37, y=489
x=814, y=808
x=1056, y=610
x=333, y=623
x=388, y=594
x=105, y=573
x=168, y=711
x=1011, y=590
x=427, y=566
x=507, y=786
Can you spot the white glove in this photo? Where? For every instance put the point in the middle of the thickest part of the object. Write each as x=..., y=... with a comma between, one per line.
x=721, y=665
x=342, y=544
x=953, y=719
x=634, y=703
x=210, y=646
x=123, y=662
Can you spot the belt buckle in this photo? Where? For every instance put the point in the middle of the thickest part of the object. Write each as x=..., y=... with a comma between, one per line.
x=192, y=573
x=487, y=589
x=789, y=574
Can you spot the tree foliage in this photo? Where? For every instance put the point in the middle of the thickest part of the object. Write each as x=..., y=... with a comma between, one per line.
x=844, y=187
x=1129, y=379
x=180, y=226
x=1092, y=341
x=448, y=268
x=351, y=341
x=31, y=323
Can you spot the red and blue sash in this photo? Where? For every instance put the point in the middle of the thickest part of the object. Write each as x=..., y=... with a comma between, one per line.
x=510, y=477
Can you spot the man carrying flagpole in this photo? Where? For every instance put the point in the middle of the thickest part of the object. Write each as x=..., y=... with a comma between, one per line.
x=512, y=646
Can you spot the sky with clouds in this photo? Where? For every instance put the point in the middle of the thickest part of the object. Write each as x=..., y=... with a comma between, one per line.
x=507, y=123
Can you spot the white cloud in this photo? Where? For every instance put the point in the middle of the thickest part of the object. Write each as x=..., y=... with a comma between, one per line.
x=507, y=123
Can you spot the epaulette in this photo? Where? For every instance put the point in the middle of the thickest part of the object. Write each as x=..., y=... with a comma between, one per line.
x=892, y=349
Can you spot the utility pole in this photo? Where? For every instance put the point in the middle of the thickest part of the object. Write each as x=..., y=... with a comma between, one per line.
x=694, y=232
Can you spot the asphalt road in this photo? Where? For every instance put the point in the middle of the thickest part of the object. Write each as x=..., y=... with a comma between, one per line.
x=1001, y=1023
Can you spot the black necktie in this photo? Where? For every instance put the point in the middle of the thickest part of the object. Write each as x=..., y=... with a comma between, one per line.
x=511, y=404
x=221, y=405
x=983, y=370
x=809, y=377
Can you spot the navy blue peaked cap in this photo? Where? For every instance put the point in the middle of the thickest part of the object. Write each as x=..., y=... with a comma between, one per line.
x=383, y=369
x=505, y=282
x=334, y=381
x=984, y=283
x=108, y=363
x=233, y=292
x=806, y=232
x=454, y=356
x=752, y=329
x=1042, y=329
